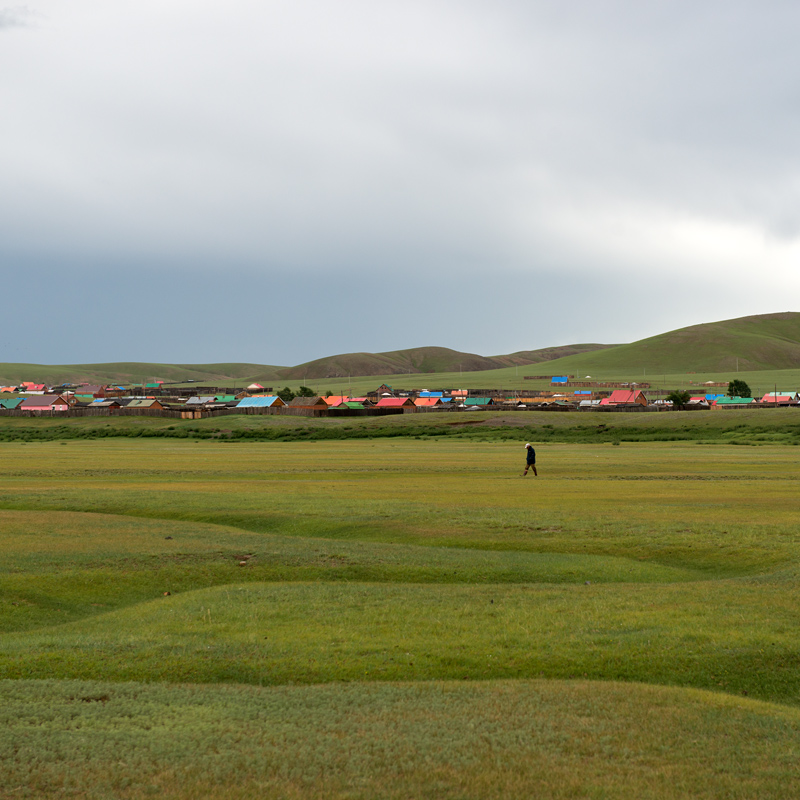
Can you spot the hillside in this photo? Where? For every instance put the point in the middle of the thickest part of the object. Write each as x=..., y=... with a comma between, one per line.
x=749, y=344
x=424, y=360
x=135, y=372
x=763, y=342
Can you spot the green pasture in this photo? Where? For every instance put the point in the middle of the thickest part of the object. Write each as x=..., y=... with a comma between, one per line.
x=404, y=615
x=491, y=740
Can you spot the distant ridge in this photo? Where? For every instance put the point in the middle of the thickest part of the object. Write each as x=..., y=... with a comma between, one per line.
x=762, y=342
x=422, y=360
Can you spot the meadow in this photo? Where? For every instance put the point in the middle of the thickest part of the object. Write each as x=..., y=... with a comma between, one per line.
x=403, y=615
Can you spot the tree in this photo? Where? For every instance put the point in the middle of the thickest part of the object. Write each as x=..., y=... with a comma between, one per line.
x=679, y=398
x=737, y=388
x=304, y=391
x=286, y=394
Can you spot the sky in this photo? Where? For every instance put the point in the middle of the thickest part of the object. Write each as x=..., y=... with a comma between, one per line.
x=196, y=181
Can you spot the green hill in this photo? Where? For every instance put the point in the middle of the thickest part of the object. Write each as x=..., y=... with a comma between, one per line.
x=747, y=344
x=764, y=342
x=424, y=360
x=135, y=372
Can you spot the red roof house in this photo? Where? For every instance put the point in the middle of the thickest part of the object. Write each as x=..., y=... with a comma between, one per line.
x=626, y=397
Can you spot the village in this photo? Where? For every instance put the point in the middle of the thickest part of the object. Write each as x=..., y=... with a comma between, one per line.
x=165, y=400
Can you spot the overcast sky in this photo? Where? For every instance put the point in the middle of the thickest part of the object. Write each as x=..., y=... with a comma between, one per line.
x=253, y=180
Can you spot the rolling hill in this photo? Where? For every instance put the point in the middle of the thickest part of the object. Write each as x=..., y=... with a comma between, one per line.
x=763, y=342
x=135, y=372
x=424, y=360
x=755, y=343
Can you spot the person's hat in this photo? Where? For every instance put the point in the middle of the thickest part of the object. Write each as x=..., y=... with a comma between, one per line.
x=528, y=445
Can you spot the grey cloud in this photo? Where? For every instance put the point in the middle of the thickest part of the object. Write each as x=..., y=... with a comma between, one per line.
x=14, y=16
x=517, y=140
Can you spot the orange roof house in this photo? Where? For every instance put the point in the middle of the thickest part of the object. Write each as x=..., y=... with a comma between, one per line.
x=395, y=402
x=428, y=402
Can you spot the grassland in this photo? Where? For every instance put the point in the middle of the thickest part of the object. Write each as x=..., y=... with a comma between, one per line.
x=403, y=617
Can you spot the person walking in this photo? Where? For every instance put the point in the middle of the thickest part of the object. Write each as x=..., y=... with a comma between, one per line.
x=530, y=461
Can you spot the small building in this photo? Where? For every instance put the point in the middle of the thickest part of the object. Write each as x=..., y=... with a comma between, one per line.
x=336, y=399
x=200, y=400
x=395, y=402
x=261, y=401
x=625, y=397
x=110, y=403
x=308, y=402
x=348, y=405
x=10, y=403
x=781, y=398
x=731, y=402
x=428, y=402
x=481, y=402
x=45, y=402
x=141, y=403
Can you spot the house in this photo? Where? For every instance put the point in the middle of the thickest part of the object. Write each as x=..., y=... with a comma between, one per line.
x=722, y=402
x=781, y=398
x=33, y=388
x=197, y=401
x=45, y=402
x=336, y=399
x=559, y=380
x=144, y=402
x=348, y=405
x=308, y=402
x=261, y=401
x=625, y=397
x=427, y=402
x=92, y=389
x=481, y=402
x=10, y=403
x=395, y=402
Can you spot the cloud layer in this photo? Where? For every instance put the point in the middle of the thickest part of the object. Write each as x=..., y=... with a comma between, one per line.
x=491, y=177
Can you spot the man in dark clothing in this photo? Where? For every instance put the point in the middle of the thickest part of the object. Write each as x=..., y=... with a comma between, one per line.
x=530, y=460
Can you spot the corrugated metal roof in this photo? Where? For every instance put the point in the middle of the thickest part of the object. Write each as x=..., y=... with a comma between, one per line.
x=259, y=402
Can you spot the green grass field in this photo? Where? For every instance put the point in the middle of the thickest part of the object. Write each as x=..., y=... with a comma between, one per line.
x=400, y=616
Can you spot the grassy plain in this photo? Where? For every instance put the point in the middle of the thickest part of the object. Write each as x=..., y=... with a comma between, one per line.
x=403, y=616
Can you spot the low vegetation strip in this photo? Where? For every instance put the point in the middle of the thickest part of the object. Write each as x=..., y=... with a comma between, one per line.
x=779, y=426
x=493, y=740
